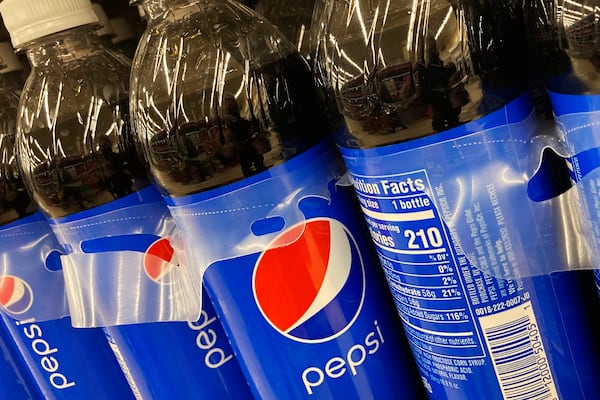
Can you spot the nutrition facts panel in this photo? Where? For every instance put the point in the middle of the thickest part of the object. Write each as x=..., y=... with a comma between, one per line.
x=422, y=268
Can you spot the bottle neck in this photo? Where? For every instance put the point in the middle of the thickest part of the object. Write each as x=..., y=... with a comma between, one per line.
x=179, y=8
x=64, y=46
x=153, y=9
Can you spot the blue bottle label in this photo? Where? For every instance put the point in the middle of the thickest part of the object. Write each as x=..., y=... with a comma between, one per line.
x=198, y=363
x=68, y=363
x=578, y=117
x=16, y=380
x=293, y=278
x=33, y=307
x=122, y=265
x=31, y=281
x=462, y=223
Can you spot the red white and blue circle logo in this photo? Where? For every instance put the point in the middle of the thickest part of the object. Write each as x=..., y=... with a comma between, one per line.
x=160, y=261
x=310, y=283
x=16, y=295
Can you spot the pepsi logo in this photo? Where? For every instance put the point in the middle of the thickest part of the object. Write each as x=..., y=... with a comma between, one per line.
x=160, y=261
x=310, y=282
x=16, y=295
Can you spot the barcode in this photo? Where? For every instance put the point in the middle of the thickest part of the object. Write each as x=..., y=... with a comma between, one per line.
x=518, y=354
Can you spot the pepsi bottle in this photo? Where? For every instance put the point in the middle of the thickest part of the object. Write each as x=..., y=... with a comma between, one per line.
x=462, y=201
x=224, y=107
x=16, y=381
x=80, y=163
x=32, y=290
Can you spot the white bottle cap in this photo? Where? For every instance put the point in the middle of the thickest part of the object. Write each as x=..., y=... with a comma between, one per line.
x=105, y=28
x=9, y=58
x=28, y=20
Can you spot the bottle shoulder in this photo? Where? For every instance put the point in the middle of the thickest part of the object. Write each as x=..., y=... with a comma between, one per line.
x=216, y=27
x=62, y=62
x=75, y=87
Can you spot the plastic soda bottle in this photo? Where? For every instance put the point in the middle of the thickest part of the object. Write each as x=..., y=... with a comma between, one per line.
x=225, y=110
x=469, y=220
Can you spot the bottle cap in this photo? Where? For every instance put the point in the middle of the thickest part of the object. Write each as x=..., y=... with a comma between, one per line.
x=28, y=20
x=105, y=28
x=9, y=58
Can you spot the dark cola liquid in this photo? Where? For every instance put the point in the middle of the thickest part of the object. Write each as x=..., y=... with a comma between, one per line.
x=83, y=174
x=15, y=202
x=14, y=199
x=475, y=66
x=216, y=151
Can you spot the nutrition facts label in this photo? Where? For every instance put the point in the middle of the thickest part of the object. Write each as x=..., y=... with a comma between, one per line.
x=420, y=264
x=456, y=317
